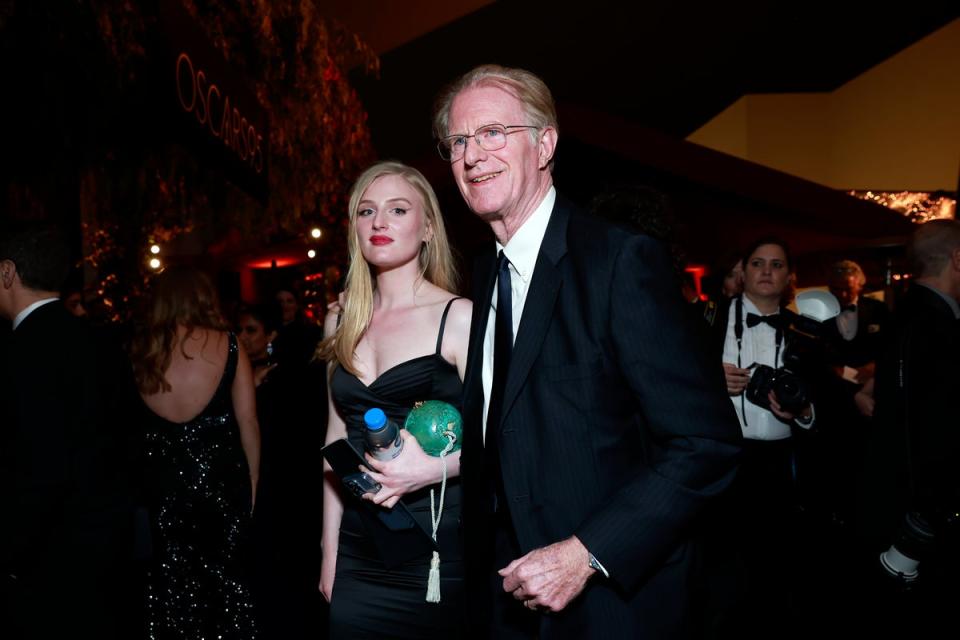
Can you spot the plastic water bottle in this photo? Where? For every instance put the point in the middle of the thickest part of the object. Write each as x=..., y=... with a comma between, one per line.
x=382, y=435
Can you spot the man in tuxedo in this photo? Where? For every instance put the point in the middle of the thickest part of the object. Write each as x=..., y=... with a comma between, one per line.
x=594, y=434
x=66, y=523
x=854, y=340
x=857, y=333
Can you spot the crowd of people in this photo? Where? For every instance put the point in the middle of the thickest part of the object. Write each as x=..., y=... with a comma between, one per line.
x=632, y=464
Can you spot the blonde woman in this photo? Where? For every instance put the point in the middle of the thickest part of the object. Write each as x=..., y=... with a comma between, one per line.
x=401, y=337
x=202, y=453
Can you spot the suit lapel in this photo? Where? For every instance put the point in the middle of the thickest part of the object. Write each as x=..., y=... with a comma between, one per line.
x=538, y=308
x=483, y=282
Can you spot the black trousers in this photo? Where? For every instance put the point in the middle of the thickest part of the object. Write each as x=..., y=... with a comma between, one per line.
x=510, y=619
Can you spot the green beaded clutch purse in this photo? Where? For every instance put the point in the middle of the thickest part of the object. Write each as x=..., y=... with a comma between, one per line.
x=434, y=423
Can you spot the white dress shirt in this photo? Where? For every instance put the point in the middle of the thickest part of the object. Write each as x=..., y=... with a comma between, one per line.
x=522, y=251
x=759, y=346
x=847, y=323
x=30, y=309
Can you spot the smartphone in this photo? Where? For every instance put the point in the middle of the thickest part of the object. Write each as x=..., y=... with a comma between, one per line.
x=346, y=461
x=360, y=483
x=407, y=538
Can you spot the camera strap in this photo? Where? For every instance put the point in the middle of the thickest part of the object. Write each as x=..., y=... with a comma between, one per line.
x=738, y=334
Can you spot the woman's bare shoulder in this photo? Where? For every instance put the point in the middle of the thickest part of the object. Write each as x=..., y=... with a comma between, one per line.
x=461, y=312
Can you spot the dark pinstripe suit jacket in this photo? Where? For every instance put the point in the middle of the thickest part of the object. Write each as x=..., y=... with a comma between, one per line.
x=615, y=428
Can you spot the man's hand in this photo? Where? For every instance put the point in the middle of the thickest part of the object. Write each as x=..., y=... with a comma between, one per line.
x=549, y=577
x=864, y=399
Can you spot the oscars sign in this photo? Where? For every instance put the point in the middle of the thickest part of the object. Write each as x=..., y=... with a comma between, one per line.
x=214, y=113
x=202, y=97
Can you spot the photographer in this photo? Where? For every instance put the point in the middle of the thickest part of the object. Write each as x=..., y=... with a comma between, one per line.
x=757, y=335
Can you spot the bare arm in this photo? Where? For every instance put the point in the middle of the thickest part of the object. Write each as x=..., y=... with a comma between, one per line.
x=456, y=338
x=332, y=503
x=245, y=409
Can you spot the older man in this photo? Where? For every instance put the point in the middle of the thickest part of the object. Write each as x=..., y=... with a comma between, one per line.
x=594, y=435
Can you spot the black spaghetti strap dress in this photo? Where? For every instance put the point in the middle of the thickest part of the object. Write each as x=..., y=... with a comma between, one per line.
x=370, y=599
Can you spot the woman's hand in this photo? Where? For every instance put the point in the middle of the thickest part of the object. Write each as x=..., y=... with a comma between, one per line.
x=337, y=305
x=778, y=411
x=411, y=470
x=737, y=379
x=328, y=571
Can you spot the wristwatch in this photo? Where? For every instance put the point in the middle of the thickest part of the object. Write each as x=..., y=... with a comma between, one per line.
x=596, y=566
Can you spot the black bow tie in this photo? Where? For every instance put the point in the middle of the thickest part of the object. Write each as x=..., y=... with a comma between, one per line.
x=775, y=320
x=850, y=307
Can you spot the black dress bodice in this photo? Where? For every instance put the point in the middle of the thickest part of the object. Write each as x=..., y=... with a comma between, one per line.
x=428, y=377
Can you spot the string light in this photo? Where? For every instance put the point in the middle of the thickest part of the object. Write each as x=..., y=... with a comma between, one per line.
x=154, y=263
x=311, y=254
x=316, y=233
x=154, y=249
x=918, y=206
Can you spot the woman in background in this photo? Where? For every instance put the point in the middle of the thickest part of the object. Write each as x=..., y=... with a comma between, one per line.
x=201, y=460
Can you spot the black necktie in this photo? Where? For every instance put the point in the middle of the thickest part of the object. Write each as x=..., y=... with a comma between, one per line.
x=775, y=320
x=502, y=351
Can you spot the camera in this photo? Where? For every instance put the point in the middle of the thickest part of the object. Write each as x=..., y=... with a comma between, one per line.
x=916, y=540
x=913, y=542
x=791, y=391
x=804, y=355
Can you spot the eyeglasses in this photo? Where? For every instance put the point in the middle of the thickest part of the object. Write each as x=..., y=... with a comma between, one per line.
x=490, y=137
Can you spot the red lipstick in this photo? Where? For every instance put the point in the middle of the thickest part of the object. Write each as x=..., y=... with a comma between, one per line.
x=379, y=241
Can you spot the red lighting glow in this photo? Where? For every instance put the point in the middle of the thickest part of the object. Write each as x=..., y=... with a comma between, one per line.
x=266, y=263
x=697, y=271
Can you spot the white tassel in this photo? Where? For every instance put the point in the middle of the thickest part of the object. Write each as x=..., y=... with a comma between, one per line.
x=433, y=579
x=433, y=583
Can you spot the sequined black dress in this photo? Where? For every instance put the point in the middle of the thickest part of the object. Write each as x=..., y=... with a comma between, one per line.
x=198, y=493
x=369, y=599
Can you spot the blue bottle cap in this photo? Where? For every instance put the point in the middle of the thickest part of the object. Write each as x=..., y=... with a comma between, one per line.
x=375, y=418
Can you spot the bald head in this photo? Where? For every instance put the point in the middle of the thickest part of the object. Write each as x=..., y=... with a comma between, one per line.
x=934, y=247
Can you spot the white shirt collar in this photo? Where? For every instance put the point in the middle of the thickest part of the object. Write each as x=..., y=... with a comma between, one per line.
x=522, y=249
x=750, y=307
x=30, y=309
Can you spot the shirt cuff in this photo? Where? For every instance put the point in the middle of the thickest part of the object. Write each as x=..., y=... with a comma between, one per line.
x=806, y=423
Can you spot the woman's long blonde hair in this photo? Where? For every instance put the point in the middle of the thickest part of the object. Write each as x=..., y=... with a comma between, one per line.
x=181, y=296
x=436, y=263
